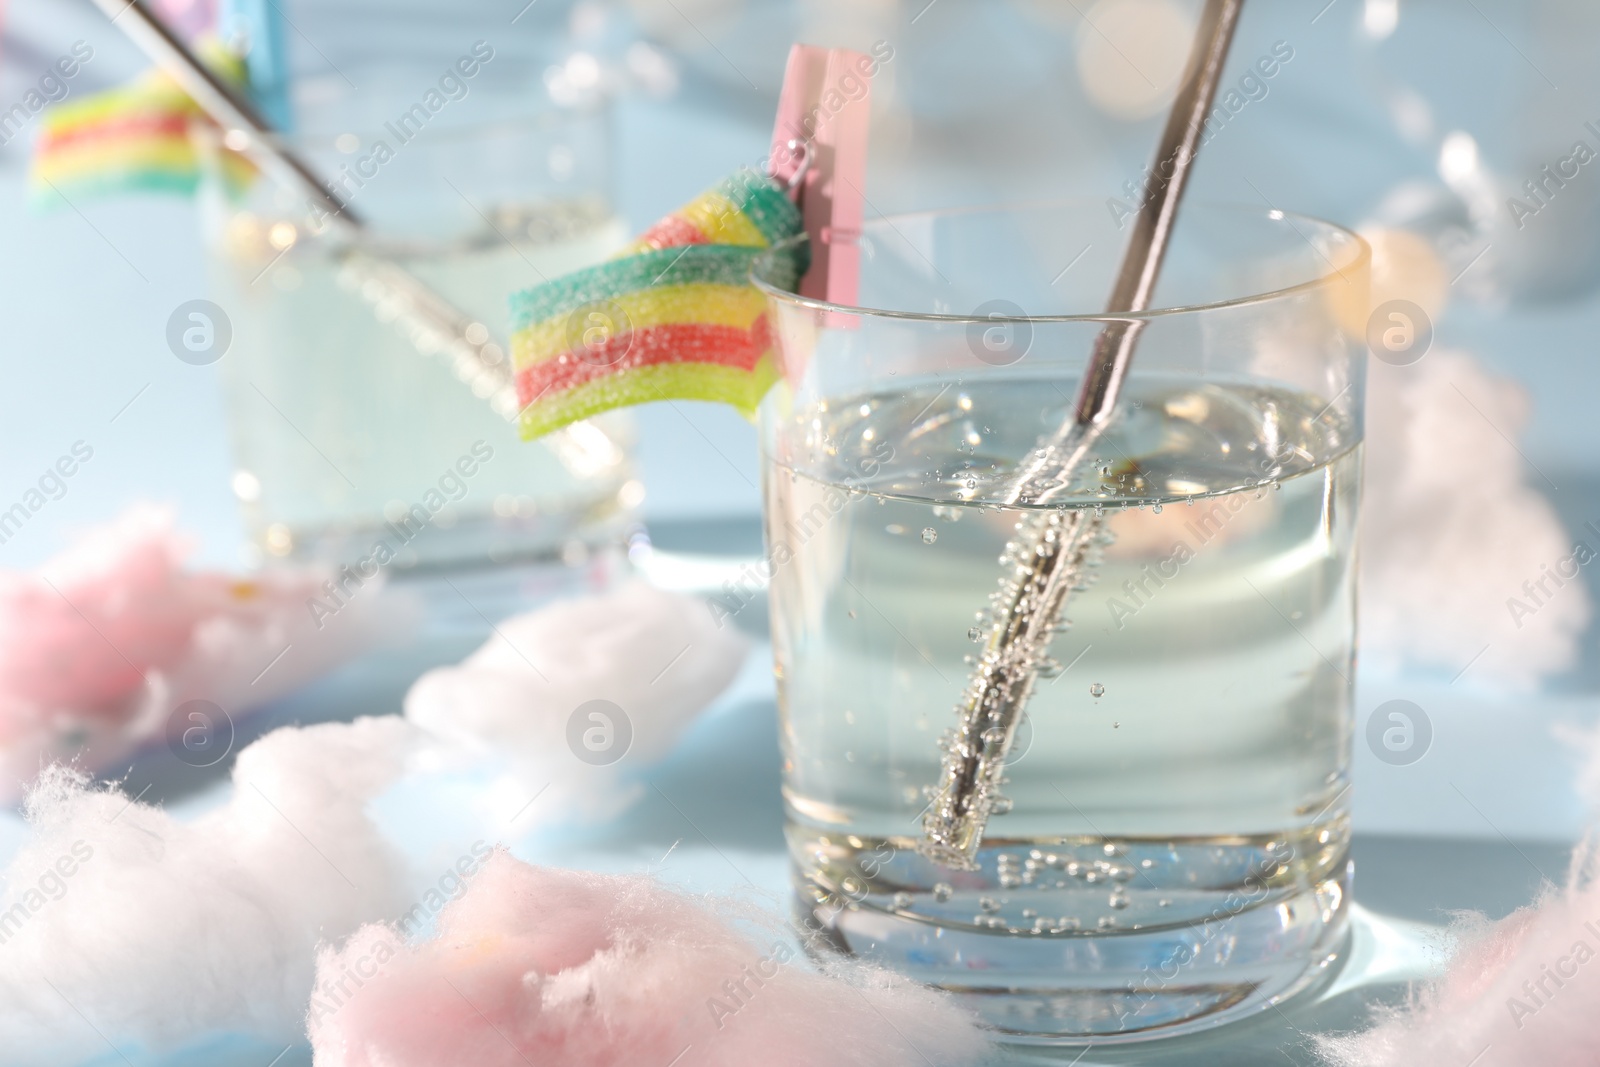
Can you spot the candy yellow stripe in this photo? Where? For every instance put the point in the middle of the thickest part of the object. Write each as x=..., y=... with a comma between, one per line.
x=637, y=385
x=697, y=305
x=165, y=154
x=118, y=104
x=721, y=221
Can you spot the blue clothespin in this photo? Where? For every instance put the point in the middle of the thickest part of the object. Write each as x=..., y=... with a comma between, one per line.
x=260, y=24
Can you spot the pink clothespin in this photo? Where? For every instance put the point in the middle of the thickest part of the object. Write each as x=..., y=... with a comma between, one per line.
x=822, y=128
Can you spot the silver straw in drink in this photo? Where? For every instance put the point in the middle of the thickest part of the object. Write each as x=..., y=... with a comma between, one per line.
x=1054, y=549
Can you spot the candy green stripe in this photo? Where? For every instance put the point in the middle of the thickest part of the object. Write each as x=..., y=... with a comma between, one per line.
x=763, y=203
x=692, y=264
x=712, y=264
x=637, y=385
x=144, y=181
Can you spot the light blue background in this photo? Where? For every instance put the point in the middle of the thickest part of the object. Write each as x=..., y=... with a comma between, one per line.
x=992, y=113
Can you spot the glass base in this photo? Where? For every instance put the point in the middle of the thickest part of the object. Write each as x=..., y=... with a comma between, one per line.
x=1225, y=947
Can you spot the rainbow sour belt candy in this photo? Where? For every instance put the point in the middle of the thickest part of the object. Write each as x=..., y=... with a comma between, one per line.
x=672, y=316
x=140, y=137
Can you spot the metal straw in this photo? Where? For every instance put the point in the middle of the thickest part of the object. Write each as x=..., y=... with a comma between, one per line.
x=430, y=322
x=1054, y=549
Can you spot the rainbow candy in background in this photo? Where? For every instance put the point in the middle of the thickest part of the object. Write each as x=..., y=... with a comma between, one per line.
x=672, y=316
x=140, y=137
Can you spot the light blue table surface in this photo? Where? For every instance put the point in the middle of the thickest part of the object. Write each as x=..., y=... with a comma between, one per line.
x=84, y=299
x=710, y=820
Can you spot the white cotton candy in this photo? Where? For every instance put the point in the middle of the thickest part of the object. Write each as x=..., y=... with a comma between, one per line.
x=1453, y=526
x=166, y=930
x=1584, y=742
x=538, y=966
x=1520, y=992
x=576, y=696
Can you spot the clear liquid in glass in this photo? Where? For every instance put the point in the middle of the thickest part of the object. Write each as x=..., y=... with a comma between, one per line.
x=1176, y=846
x=341, y=427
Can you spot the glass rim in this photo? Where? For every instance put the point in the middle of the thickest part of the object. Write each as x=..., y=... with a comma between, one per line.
x=535, y=114
x=548, y=119
x=1336, y=272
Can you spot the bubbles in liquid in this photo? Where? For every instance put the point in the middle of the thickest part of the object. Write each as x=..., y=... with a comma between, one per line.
x=1053, y=890
x=1118, y=901
x=929, y=535
x=1097, y=690
x=943, y=891
x=902, y=901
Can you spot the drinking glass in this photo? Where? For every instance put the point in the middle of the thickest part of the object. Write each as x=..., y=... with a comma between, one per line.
x=1172, y=849
x=346, y=434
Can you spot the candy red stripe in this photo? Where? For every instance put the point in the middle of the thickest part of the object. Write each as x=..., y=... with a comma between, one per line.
x=133, y=126
x=672, y=232
x=761, y=334
x=675, y=343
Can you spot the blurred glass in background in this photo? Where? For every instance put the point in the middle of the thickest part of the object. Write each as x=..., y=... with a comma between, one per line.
x=480, y=176
x=1415, y=121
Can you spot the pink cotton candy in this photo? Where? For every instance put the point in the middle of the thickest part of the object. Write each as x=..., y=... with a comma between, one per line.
x=80, y=631
x=1521, y=991
x=102, y=643
x=538, y=966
